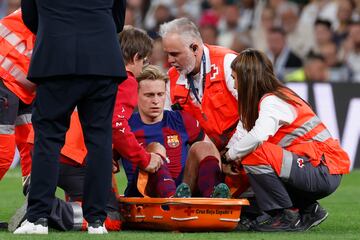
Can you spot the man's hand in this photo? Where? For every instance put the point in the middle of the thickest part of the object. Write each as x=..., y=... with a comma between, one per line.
x=224, y=156
x=115, y=166
x=231, y=168
x=154, y=164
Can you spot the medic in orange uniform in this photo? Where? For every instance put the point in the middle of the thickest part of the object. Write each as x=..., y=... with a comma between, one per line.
x=16, y=92
x=201, y=84
x=288, y=154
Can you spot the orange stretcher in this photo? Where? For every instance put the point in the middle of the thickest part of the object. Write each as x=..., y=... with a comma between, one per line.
x=181, y=214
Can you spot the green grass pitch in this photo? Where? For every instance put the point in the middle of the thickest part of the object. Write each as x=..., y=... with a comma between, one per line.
x=343, y=221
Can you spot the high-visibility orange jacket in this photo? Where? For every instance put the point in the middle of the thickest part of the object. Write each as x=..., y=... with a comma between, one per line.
x=74, y=147
x=16, y=44
x=218, y=113
x=308, y=136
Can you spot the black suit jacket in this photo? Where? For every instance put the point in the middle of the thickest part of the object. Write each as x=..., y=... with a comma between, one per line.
x=75, y=37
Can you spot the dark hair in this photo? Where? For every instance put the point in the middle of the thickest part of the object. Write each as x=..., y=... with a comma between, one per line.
x=323, y=22
x=277, y=30
x=314, y=56
x=354, y=22
x=255, y=78
x=352, y=3
x=134, y=41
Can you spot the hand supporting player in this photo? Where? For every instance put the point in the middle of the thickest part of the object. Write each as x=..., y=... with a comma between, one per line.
x=154, y=164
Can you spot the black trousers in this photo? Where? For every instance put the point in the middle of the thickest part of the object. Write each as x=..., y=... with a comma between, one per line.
x=305, y=185
x=71, y=180
x=56, y=98
x=67, y=216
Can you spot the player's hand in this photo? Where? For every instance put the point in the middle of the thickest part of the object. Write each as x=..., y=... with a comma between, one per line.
x=154, y=164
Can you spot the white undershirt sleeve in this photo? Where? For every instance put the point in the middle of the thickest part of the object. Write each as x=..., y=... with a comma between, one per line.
x=274, y=113
x=227, y=71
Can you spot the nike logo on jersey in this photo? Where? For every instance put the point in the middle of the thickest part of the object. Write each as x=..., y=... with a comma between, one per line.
x=168, y=179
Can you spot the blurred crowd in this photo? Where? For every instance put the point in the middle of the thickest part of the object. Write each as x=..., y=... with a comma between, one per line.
x=307, y=40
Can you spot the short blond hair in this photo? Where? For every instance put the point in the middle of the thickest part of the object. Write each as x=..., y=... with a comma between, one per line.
x=152, y=72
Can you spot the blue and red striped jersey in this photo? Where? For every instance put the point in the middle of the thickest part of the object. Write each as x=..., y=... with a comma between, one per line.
x=175, y=132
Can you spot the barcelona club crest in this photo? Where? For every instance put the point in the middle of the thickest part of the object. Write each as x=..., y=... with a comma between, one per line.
x=173, y=141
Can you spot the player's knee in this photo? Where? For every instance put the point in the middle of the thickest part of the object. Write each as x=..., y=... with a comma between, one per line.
x=203, y=149
x=156, y=147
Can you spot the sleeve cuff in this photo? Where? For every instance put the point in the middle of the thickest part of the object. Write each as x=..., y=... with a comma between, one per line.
x=145, y=161
x=230, y=156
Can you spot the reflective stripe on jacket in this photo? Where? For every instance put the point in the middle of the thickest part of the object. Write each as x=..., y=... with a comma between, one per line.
x=308, y=136
x=16, y=44
x=218, y=114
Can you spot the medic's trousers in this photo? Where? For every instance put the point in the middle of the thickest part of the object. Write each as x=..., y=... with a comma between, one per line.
x=15, y=125
x=281, y=179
